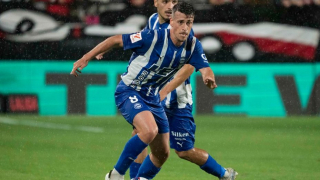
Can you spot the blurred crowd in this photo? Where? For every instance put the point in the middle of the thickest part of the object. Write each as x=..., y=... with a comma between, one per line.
x=80, y=15
x=109, y=12
x=300, y=12
x=299, y=3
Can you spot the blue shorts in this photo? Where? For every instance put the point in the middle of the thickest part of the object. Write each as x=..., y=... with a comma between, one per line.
x=131, y=102
x=182, y=129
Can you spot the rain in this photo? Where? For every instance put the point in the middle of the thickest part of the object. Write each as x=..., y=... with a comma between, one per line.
x=260, y=122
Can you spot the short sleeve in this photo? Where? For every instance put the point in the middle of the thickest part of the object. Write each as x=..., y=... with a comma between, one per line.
x=198, y=58
x=137, y=40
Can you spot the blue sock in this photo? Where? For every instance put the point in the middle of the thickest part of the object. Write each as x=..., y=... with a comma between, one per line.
x=134, y=168
x=212, y=167
x=148, y=169
x=130, y=152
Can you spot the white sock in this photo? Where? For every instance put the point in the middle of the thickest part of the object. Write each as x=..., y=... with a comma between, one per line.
x=115, y=173
x=226, y=174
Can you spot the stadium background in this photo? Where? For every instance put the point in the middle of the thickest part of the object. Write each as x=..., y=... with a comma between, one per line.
x=265, y=55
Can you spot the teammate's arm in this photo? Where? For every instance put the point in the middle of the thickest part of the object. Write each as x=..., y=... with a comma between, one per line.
x=183, y=74
x=105, y=46
x=178, y=79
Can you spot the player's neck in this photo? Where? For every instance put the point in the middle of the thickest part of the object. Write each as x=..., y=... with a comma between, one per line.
x=175, y=40
x=162, y=20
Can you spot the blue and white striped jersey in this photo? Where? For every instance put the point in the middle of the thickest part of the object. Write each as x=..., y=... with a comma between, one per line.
x=156, y=59
x=182, y=96
x=153, y=24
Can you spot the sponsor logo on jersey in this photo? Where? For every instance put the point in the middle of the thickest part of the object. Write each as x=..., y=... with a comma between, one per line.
x=179, y=134
x=180, y=144
x=135, y=37
x=182, y=59
x=143, y=75
x=204, y=58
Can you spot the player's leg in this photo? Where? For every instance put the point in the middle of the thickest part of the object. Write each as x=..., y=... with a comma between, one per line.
x=207, y=163
x=203, y=159
x=182, y=138
x=147, y=130
x=159, y=146
x=134, y=167
x=134, y=109
x=159, y=154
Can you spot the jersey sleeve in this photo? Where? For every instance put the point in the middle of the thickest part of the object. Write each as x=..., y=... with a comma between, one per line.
x=151, y=21
x=137, y=40
x=198, y=58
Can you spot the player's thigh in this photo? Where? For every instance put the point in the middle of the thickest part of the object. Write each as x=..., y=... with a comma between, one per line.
x=144, y=122
x=130, y=103
x=160, y=118
x=160, y=146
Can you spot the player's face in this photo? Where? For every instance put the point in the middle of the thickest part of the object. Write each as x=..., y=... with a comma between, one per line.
x=164, y=8
x=181, y=26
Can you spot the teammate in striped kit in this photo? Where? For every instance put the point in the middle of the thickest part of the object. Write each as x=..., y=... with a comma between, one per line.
x=178, y=108
x=157, y=56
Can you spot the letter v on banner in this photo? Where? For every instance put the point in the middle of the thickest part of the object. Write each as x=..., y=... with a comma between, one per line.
x=291, y=100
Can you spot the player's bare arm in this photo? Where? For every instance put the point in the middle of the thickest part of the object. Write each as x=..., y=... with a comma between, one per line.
x=100, y=55
x=208, y=77
x=105, y=46
x=178, y=79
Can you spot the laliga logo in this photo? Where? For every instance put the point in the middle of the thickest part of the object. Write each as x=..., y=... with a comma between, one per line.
x=135, y=37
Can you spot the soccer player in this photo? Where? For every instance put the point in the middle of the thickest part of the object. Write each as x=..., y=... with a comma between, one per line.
x=157, y=56
x=178, y=108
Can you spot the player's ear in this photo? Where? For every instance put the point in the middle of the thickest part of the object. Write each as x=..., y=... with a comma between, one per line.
x=155, y=3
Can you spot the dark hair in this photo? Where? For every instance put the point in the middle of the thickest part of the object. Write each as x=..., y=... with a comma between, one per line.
x=184, y=8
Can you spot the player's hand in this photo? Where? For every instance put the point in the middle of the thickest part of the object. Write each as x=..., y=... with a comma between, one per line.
x=210, y=83
x=78, y=66
x=162, y=95
x=99, y=56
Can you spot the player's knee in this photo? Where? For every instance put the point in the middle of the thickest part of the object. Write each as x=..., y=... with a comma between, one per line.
x=163, y=156
x=166, y=155
x=183, y=154
x=149, y=134
x=134, y=132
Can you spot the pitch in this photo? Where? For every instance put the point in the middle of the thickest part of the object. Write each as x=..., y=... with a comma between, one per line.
x=82, y=147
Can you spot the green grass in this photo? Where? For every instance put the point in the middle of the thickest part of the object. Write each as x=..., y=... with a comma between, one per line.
x=258, y=148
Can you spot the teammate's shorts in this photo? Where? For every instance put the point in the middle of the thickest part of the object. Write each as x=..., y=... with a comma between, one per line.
x=131, y=102
x=182, y=129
